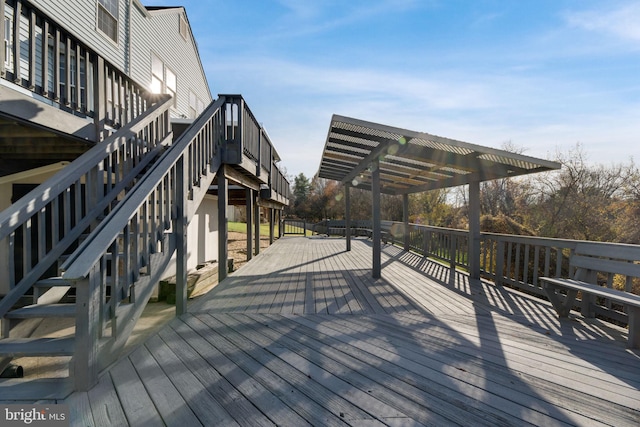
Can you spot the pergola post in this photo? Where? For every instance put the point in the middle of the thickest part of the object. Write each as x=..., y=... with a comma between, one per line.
x=474, y=229
x=405, y=221
x=347, y=214
x=223, y=231
x=249, y=215
x=375, y=195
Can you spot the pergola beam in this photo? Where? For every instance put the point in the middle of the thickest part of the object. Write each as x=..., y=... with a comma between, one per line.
x=402, y=162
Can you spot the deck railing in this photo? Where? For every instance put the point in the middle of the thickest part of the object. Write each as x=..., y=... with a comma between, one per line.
x=516, y=261
x=42, y=225
x=134, y=244
x=246, y=137
x=39, y=55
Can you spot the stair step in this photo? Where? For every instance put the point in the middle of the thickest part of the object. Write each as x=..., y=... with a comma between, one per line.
x=51, y=282
x=36, y=389
x=43, y=310
x=36, y=347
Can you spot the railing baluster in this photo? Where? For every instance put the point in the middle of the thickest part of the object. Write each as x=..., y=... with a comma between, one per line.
x=32, y=49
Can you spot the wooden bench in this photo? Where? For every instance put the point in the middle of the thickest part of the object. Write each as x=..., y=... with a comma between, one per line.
x=590, y=260
x=385, y=231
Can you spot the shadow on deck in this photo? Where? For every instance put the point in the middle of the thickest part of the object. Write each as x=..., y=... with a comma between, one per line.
x=303, y=335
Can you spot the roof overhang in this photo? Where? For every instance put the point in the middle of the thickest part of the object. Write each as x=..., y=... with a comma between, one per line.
x=411, y=162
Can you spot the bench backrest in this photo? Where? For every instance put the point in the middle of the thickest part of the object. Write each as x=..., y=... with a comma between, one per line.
x=589, y=259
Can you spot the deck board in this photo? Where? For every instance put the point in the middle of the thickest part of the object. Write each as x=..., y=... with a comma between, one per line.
x=302, y=334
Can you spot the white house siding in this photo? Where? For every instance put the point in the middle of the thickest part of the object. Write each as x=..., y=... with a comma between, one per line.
x=178, y=54
x=78, y=18
x=202, y=236
x=154, y=31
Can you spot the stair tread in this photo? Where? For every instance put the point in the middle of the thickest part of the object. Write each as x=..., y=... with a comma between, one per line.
x=34, y=347
x=43, y=310
x=36, y=389
x=52, y=281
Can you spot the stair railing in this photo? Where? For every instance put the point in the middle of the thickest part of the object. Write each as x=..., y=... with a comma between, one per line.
x=133, y=246
x=50, y=218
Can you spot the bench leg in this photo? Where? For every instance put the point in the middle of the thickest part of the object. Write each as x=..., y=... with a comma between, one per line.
x=562, y=307
x=586, y=308
x=634, y=327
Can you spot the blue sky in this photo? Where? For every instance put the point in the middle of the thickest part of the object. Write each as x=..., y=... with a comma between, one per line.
x=543, y=75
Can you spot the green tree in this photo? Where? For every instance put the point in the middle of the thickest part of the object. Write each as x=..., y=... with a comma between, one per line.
x=301, y=190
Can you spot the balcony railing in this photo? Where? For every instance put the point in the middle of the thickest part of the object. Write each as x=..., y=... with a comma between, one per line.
x=39, y=55
x=247, y=141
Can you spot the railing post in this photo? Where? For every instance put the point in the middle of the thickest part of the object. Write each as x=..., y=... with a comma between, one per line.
x=2, y=33
x=181, y=237
x=426, y=238
x=85, y=365
x=499, y=274
x=405, y=222
x=305, y=226
x=452, y=251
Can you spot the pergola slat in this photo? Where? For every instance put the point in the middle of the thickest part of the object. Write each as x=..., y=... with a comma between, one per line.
x=386, y=159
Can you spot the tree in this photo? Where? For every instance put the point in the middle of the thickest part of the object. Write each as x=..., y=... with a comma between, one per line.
x=301, y=189
x=580, y=201
x=431, y=208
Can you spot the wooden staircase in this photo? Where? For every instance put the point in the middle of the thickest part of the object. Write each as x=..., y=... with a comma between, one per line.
x=115, y=267
x=52, y=221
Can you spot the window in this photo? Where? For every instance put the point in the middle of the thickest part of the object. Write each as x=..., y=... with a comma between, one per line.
x=7, y=41
x=183, y=27
x=157, y=74
x=171, y=84
x=163, y=79
x=193, y=105
x=108, y=18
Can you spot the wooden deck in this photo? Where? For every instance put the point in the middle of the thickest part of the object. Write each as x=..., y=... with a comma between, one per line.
x=303, y=335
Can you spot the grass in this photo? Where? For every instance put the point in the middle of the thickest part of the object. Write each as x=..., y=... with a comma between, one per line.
x=241, y=227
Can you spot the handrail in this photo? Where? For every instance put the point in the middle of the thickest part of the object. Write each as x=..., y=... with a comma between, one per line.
x=67, y=204
x=134, y=245
x=79, y=264
x=11, y=217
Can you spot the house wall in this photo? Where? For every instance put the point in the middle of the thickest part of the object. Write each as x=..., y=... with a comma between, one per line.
x=202, y=236
x=179, y=55
x=79, y=19
x=156, y=31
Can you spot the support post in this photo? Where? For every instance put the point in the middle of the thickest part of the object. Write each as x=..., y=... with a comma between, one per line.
x=99, y=96
x=181, y=238
x=256, y=225
x=223, y=232
x=271, y=226
x=375, y=195
x=405, y=221
x=347, y=214
x=85, y=361
x=474, y=230
x=249, y=215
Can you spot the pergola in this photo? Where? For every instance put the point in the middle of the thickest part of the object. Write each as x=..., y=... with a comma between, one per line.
x=390, y=160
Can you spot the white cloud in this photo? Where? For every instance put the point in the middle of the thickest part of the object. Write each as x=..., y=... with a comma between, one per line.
x=621, y=21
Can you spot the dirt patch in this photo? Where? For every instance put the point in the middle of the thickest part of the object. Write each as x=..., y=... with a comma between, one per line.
x=237, y=247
